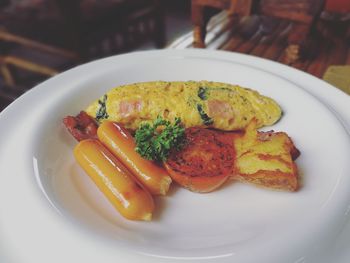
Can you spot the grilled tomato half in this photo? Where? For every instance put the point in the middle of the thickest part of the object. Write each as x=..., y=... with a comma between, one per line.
x=204, y=163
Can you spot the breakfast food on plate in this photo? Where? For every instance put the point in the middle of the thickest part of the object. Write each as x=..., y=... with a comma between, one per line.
x=126, y=194
x=197, y=103
x=81, y=126
x=136, y=139
x=266, y=159
x=120, y=142
x=204, y=163
x=210, y=157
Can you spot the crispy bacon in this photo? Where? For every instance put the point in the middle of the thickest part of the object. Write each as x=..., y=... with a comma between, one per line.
x=81, y=126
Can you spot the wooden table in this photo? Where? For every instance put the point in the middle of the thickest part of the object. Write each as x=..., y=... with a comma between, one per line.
x=303, y=14
x=267, y=37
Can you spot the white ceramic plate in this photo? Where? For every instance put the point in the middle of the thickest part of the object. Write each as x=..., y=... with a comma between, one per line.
x=51, y=212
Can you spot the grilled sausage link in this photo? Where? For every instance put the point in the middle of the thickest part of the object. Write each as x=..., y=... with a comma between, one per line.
x=120, y=142
x=126, y=194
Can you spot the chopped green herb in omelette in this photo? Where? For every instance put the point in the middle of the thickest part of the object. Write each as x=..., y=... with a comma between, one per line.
x=203, y=104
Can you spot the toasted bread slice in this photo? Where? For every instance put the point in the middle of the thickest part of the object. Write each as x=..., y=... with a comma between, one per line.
x=266, y=159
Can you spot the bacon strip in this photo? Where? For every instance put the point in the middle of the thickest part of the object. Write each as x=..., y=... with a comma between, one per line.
x=81, y=126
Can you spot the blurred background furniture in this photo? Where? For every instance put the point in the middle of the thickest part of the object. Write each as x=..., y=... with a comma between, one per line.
x=39, y=38
x=8, y=62
x=90, y=28
x=303, y=14
x=327, y=43
x=100, y=28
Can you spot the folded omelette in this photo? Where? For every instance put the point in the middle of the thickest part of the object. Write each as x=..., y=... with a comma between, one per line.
x=198, y=103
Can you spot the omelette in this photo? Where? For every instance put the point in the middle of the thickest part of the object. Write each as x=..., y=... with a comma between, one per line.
x=198, y=103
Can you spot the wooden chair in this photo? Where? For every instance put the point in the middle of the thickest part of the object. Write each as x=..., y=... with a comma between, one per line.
x=9, y=61
x=99, y=28
x=303, y=13
x=88, y=27
x=8, y=94
x=69, y=32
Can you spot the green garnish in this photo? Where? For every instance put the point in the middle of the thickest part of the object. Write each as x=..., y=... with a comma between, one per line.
x=156, y=145
x=205, y=118
x=102, y=110
x=203, y=93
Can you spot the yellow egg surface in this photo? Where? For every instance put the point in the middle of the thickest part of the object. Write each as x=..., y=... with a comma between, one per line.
x=198, y=103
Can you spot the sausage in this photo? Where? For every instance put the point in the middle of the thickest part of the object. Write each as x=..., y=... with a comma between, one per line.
x=126, y=194
x=120, y=142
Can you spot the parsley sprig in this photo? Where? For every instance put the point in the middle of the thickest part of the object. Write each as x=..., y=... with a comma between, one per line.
x=155, y=144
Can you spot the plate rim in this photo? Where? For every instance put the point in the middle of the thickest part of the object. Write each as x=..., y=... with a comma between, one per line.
x=41, y=86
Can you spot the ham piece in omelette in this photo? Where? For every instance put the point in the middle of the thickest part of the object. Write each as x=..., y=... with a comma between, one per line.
x=198, y=103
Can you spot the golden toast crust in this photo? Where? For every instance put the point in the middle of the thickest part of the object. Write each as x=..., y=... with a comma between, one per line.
x=266, y=159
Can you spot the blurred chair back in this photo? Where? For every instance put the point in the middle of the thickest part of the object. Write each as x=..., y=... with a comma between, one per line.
x=303, y=14
x=39, y=38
